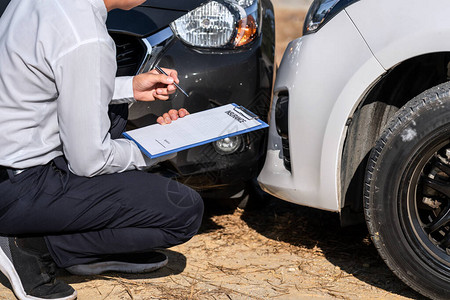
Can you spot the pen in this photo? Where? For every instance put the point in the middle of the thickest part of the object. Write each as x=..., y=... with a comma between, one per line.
x=177, y=86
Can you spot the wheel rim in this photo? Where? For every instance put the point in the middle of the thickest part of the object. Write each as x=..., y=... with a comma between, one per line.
x=425, y=215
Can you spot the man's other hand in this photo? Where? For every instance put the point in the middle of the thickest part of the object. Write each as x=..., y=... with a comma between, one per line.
x=152, y=85
x=172, y=115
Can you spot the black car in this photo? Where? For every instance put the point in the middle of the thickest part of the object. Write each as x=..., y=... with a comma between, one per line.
x=223, y=51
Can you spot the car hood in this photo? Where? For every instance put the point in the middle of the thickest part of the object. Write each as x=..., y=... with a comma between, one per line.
x=150, y=17
x=184, y=5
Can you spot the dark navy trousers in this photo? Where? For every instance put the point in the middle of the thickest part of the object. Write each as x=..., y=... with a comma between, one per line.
x=84, y=219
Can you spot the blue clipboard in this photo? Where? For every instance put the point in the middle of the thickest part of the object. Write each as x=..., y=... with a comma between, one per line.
x=194, y=130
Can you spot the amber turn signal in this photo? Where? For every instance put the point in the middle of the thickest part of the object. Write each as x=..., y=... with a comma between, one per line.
x=246, y=31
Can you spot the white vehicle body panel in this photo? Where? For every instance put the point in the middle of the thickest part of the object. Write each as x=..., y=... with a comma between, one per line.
x=327, y=74
x=392, y=28
x=324, y=76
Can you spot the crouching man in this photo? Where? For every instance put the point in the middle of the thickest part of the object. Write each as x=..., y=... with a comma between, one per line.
x=72, y=191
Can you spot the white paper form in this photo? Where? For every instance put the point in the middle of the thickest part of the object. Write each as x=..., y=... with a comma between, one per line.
x=194, y=130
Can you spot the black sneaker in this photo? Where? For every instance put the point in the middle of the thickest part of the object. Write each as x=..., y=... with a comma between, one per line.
x=124, y=263
x=31, y=273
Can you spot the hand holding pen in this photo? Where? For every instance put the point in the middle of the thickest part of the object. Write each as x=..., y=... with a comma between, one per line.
x=155, y=85
x=175, y=84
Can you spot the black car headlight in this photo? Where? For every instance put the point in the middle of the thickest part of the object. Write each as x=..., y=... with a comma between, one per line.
x=322, y=11
x=218, y=24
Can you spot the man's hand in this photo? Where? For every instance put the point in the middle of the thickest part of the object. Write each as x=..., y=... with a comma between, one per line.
x=152, y=85
x=172, y=115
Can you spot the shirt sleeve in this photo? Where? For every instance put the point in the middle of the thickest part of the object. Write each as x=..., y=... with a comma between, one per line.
x=85, y=79
x=123, y=91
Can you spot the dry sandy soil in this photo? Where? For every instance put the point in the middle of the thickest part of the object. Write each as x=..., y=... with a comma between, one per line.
x=289, y=26
x=281, y=251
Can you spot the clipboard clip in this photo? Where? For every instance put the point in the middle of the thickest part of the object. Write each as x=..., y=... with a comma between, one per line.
x=245, y=113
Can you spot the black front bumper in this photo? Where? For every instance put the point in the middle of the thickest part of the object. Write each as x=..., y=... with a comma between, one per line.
x=212, y=78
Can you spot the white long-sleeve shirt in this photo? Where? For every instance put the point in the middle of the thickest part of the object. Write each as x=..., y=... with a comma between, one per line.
x=57, y=78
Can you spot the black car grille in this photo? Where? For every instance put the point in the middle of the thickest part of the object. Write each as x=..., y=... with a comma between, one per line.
x=286, y=154
x=130, y=53
x=282, y=126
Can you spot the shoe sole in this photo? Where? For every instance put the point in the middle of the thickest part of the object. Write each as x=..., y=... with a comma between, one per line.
x=115, y=266
x=7, y=268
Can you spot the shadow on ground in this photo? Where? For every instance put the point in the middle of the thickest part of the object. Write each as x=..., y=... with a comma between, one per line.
x=349, y=248
x=176, y=265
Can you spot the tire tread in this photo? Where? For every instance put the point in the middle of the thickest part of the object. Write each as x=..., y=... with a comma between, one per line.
x=404, y=115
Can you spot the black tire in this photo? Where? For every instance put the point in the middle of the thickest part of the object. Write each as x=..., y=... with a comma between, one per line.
x=407, y=193
x=254, y=197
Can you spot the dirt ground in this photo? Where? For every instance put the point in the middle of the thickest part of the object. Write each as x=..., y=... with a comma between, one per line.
x=289, y=26
x=280, y=251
